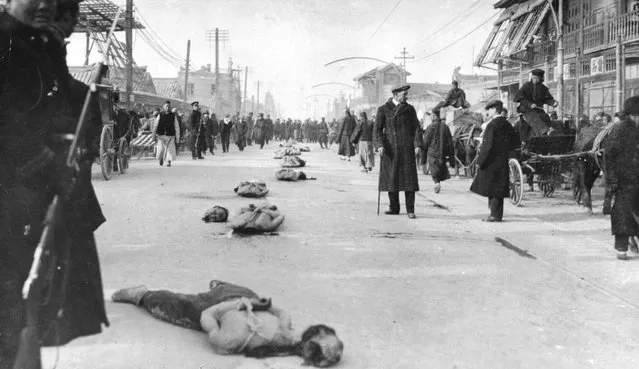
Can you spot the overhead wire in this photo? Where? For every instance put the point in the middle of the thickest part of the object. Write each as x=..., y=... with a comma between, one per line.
x=464, y=13
x=459, y=39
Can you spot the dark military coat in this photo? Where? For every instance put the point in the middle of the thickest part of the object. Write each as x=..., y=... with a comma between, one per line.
x=36, y=95
x=397, y=130
x=493, y=176
x=622, y=170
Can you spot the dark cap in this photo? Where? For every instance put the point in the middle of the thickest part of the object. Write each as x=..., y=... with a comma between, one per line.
x=538, y=72
x=400, y=88
x=494, y=104
x=195, y=103
x=631, y=105
x=167, y=102
x=455, y=83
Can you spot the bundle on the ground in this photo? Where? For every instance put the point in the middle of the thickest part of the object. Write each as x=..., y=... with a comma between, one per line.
x=257, y=219
x=305, y=149
x=290, y=175
x=252, y=188
x=216, y=214
x=292, y=162
x=291, y=151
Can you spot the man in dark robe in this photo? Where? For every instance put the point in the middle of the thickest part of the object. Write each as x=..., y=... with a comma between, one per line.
x=269, y=129
x=38, y=110
x=439, y=150
x=346, y=129
x=323, y=134
x=532, y=97
x=226, y=126
x=198, y=132
x=259, y=130
x=397, y=139
x=622, y=176
x=241, y=131
x=211, y=128
x=250, y=123
x=492, y=178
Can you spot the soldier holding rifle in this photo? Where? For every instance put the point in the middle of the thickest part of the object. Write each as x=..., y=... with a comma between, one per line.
x=38, y=115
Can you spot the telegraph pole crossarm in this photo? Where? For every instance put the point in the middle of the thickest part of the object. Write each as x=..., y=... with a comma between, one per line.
x=404, y=56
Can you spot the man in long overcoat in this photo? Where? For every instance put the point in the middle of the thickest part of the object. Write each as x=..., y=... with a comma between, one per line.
x=241, y=131
x=345, y=133
x=37, y=111
x=212, y=128
x=439, y=150
x=492, y=178
x=397, y=139
x=259, y=130
x=322, y=131
x=622, y=176
x=198, y=132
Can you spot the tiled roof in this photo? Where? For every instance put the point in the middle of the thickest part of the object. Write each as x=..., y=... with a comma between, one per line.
x=142, y=80
x=169, y=87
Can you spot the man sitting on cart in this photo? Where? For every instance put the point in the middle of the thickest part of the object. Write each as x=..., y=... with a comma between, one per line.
x=456, y=98
x=532, y=97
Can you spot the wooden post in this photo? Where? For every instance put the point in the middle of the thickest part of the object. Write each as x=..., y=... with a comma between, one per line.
x=88, y=47
x=186, y=71
x=129, y=53
x=578, y=86
x=619, y=82
x=245, y=86
x=560, y=60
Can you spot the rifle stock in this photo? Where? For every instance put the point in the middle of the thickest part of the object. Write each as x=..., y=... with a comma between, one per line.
x=44, y=258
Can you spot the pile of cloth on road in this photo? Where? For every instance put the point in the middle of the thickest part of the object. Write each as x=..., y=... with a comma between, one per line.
x=216, y=214
x=289, y=143
x=257, y=219
x=253, y=188
x=305, y=149
x=292, y=162
x=291, y=151
x=291, y=175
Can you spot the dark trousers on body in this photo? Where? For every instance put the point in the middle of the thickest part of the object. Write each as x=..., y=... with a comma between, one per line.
x=184, y=310
x=496, y=207
x=393, y=197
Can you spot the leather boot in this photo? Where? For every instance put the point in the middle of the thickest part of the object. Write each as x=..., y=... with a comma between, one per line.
x=132, y=295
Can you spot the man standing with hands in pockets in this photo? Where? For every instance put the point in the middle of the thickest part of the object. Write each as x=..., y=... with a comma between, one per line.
x=397, y=140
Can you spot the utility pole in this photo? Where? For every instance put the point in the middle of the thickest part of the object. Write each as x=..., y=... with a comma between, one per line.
x=239, y=87
x=258, y=95
x=186, y=71
x=129, y=52
x=252, y=103
x=245, y=87
x=560, y=59
x=404, y=56
x=216, y=36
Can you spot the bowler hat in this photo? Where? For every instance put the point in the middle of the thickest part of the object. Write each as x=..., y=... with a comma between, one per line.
x=494, y=104
x=631, y=105
x=400, y=88
x=538, y=72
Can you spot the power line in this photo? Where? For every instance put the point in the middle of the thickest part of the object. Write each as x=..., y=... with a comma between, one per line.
x=385, y=19
x=451, y=21
x=459, y=39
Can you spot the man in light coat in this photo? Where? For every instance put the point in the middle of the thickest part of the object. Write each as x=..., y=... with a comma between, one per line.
x=166, y=131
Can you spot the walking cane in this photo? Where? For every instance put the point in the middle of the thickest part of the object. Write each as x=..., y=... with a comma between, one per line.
x=379, y=183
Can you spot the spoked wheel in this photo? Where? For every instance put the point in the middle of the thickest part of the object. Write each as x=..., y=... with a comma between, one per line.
x=106, y=158
x=124, y=155
x=516, y=182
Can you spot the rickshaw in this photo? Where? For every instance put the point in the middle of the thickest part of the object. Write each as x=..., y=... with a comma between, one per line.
x=117, y=130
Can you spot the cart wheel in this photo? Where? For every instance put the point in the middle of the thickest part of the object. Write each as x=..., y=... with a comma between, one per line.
x=124, y=155
x=106, y=158
x=516, y=182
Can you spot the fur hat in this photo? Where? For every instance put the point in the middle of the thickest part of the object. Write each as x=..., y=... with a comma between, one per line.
x=538, y=72
x=631, y=106
x=494, y=104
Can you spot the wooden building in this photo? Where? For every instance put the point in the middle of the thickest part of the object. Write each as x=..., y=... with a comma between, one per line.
x=600, y=50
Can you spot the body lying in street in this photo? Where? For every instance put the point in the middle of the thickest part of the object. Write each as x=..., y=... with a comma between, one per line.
x=237, y=321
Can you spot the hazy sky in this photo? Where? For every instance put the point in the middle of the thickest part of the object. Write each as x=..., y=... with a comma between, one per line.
x=285, y=43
